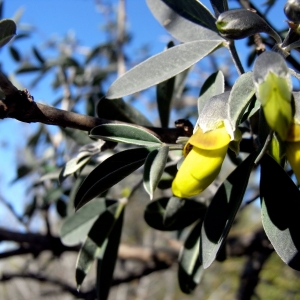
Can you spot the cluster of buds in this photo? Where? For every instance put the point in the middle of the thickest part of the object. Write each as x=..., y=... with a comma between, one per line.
x=207, y=147
x=281, y=107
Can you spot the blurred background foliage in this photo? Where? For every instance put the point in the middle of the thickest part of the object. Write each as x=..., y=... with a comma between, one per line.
x=80, y=76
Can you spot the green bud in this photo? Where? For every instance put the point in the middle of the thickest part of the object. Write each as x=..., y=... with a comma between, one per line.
x=292, y=10
x=274, y=90
x=240, y=23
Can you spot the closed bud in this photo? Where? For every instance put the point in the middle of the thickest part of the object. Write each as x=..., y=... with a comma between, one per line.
x=292, y=10
x=274, y=90
x=240, y=23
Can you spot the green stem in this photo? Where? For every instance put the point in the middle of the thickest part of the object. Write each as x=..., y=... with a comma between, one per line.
x=236, y=58
x=264, y=148
x=175, y=146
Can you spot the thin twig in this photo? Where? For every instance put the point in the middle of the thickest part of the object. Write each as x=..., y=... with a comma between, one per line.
x=264, y=148
x=12, y=210
x=20, y=105
x=236, y=58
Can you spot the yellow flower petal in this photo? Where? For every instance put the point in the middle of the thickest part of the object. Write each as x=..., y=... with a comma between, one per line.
x=293, y=156
x=275, y=96
x=198, y=171
x=294, y=133
x=210, y=140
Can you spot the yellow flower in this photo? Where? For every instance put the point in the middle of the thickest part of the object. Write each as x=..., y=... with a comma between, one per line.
x=293, y=156
x=292, y=149
x=202, y=163
x=273, y=84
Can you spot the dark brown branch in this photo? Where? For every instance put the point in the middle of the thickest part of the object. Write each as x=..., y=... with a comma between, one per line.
x=57, y=282
x=33, y=243
x=255, y=245
x=20, y=105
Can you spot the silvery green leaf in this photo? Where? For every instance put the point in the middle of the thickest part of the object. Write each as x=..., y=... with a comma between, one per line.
x=120, y=110
x=189, y=211
x=214, y=111
x=190, y=270
x=164, y=96
x=72, y=166
x=96, y=239
x=240, y=96
x=213, y=85
x=219, y=6
x=108, y=173
x=154, y=167
x=222, y=210
x=107, y=259
x=76, y=226
x=161, y=67
x=125, y=133
x=280, y=211
x=186, y=20
x=173, y=209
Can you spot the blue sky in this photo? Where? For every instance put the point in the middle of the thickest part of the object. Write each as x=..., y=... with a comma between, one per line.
x=56, y=18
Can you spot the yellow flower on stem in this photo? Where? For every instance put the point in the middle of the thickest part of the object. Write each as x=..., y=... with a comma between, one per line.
x=292, y=141
x=273, y=84
x=205, y=153
x=293, y=156
x=292, y=148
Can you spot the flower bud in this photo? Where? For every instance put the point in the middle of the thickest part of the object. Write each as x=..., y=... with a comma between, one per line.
x=292, y=145
x=292, y=10
x=240, y=23
x=274, y=90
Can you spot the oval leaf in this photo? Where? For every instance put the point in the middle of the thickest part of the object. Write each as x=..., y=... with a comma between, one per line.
x=121, y=111
x=76, y=227
x=280, y=211
x=154, y=167
x=72, y=166
x=173, y=208
x=188, y=214
x=108, y=173
x=107, y=260
x=8, y=30
x=219, y=6
x=96, y=239
x=190, y=270
x=164, y=95
x=240, y=96
x=161, y=67
x=125, y=134
x=185, y=20
x=222, y=210
x=194, y=11
x=213, y=85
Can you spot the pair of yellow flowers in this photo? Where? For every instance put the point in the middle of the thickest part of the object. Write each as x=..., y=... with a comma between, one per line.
x=206, y=149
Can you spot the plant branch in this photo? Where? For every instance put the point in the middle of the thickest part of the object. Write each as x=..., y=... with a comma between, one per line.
x=33, y=243
x=19, y=105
